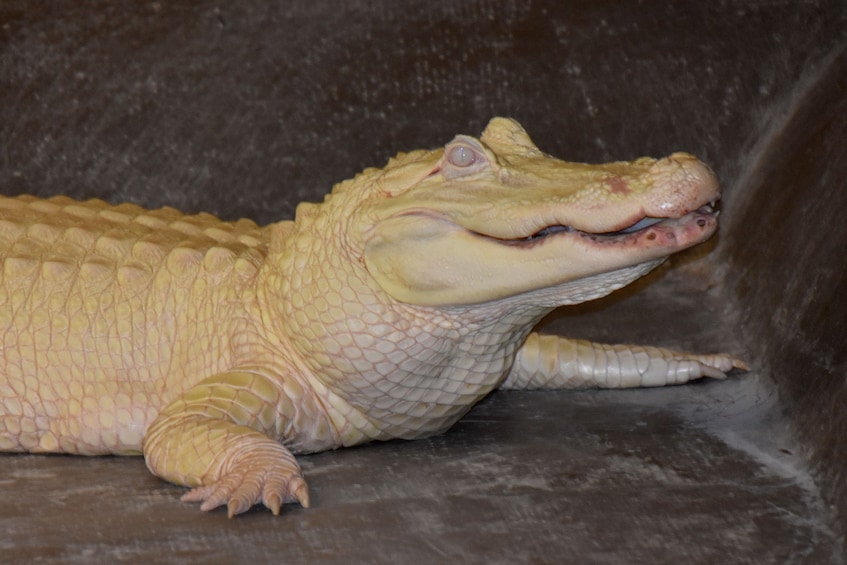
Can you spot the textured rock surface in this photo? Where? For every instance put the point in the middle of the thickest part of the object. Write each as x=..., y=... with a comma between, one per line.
x=247, y=109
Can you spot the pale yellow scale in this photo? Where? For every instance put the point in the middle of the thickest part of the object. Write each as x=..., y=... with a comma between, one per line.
x=91, y=301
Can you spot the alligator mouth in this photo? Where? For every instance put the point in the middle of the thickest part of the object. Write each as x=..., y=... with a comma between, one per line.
x=702, y=216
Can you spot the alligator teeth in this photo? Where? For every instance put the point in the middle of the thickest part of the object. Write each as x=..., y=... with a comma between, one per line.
x=640, y=225
x=549, y=230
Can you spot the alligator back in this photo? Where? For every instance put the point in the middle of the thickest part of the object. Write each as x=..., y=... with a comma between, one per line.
x=96, y=297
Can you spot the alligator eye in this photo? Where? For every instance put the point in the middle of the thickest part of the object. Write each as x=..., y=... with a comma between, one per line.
x=462, y=156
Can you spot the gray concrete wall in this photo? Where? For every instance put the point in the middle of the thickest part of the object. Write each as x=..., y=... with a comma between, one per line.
x=784, y=251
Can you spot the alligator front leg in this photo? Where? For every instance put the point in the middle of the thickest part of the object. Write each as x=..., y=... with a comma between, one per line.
x=218, y=438
x=553, y=362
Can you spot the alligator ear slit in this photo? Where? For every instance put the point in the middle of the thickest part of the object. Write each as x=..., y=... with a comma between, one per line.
x=434, y=171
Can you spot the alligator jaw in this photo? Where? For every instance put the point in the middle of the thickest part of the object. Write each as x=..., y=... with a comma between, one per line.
x=500, y=268
x=702, y=216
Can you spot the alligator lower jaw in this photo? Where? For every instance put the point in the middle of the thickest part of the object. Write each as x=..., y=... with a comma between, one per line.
x=646, y=227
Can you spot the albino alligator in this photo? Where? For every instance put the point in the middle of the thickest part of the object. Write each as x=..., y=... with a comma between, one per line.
x=218, y=349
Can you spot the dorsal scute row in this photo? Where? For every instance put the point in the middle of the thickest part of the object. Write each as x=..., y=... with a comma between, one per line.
x=60, y=235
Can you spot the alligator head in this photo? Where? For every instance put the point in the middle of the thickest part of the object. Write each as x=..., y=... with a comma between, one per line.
x=492, y=218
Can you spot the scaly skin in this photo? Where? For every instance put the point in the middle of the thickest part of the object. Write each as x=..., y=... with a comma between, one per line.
x=220, y=349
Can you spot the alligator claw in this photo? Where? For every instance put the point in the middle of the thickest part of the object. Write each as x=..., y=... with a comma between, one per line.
x=247, y=485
